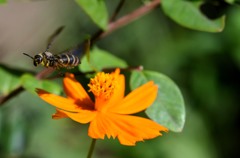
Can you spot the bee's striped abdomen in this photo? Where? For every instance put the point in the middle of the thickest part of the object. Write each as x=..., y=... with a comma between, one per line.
x=67, y=60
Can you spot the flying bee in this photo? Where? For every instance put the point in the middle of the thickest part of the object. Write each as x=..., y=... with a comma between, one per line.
x=47, y=59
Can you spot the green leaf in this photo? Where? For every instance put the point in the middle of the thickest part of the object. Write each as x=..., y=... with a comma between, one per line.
x=97, y=11
x=187, y=14
x=3, y=1
x=230, y=1
x=100, y=59
x=30, y=83
x=168, y=109
x=8, y=81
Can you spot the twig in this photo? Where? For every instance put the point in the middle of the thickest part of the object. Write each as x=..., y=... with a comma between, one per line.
x=110, y=69
x=44, y=73
x=15, y=92
x=41, y=75
x=137, y=68
x=117, y=10
x=96, y=36
x=130, y=17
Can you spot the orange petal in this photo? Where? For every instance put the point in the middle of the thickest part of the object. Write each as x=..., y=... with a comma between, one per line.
x=138, y=100
x=95, y=130
x=128, y=129
x=119, y=91
x=100, y=127
x=84, y=116
x=74, y=90
x=59, y=115
x=58, y=101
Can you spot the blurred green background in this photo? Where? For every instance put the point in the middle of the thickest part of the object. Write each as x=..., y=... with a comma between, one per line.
x=206, y=67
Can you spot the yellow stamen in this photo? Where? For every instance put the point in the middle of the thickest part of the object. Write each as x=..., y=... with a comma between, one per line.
x=103, y=85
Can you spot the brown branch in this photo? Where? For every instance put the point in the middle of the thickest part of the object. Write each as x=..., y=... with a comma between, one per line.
x=44, y=73
x=15, y=92
x=130, y=17
x=117, y=10
x=110, y=69
x=137, y=68
x=96, y=36
x=113, y=25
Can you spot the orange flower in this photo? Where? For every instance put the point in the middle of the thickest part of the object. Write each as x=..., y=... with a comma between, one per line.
x=109, y=115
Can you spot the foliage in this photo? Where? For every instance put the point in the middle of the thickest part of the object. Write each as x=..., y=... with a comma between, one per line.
x=168, y=111
x=30, y=83
x=95, y=62
x=10, y=80
x=188, y=14
x=96, y=10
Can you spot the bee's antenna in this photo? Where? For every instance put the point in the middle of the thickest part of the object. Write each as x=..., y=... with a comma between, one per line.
x=28, y=55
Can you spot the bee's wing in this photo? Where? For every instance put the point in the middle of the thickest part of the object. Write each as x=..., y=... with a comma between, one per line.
x=53, y=37
x=80, y=49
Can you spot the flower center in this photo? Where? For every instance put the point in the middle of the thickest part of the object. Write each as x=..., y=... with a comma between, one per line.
x=103, y=85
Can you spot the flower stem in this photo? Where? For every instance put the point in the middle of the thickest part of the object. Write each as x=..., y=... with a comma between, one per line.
x=91, y=148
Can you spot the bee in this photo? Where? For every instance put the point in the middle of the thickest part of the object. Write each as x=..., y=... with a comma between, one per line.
x=48, y=59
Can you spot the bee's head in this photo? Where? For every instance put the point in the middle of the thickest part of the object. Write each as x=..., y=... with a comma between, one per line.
x=37, y=59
